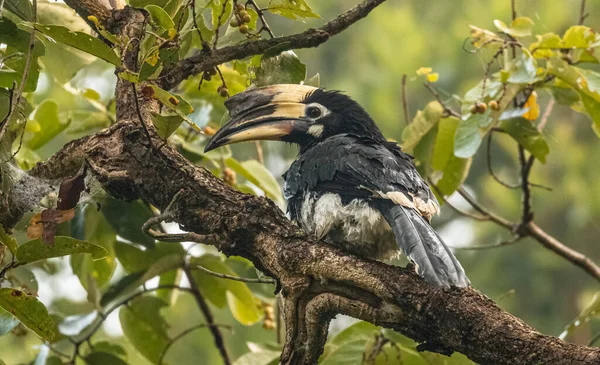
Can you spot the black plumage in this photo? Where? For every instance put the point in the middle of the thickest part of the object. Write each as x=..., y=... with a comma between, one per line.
x=348, y=186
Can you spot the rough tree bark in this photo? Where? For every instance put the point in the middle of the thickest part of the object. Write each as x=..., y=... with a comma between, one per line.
x=316, y=281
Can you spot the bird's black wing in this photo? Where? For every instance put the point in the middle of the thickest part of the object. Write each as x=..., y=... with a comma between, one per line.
x=383, y=175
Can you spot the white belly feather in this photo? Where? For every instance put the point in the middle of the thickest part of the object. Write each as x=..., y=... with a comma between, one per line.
x=356, y=226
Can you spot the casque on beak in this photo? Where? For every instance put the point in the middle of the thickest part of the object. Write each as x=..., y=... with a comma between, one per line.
x=267, y=113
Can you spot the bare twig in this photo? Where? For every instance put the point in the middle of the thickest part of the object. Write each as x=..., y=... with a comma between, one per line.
x=219, y=23
x=582, y=13
x=454, y=208
x=15, y=99
x=193, y=65
x=562, y=250
x=139, y=114
x=491, y=169
x=182, y=334
x=259, y=152
x=447, y=110
x=210, y=322
x=405, y=100
x=205, y=46
x=513, y=9
x=526, y=164
x=478, y=207
x=261, y=16
x=546, y=115
x=231, y=277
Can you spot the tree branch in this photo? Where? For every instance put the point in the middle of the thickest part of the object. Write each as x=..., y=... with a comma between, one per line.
x=253, y=227
x=172, y=76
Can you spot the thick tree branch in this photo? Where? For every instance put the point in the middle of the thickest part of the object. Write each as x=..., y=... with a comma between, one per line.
x=307, y=39
x=463, y=320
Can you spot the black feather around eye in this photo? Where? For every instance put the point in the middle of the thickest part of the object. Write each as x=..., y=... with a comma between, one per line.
x=313, y=112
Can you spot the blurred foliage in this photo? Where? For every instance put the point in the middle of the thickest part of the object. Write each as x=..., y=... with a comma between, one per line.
x=504, y=76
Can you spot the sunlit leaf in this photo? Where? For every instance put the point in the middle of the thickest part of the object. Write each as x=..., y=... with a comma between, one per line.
x=46, y=115
x=421, y=124
x=520, y=27
x=21, y=8
x=523, y=69
x=37, y=250
x=291, y=9
x=166, y=124
x=257, y=174
x=175, y=103
x=15, y=54
x=82, y=41
x=221, y=10
x=160, y=17
x=454, y=169
x=280, y=68
x=29, y=311
x=8, y=241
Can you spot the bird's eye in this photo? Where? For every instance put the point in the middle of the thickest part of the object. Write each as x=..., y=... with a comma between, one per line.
x=313, y=112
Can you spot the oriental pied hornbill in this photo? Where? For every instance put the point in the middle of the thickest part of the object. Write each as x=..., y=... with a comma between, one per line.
x=349, y=186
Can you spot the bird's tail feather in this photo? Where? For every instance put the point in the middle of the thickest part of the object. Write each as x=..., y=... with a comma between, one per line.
x=417, y=240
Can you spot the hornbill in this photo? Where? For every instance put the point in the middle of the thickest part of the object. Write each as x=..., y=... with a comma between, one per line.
x=349, y=186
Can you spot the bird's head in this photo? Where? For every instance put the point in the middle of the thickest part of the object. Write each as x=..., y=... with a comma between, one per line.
x=298, y=114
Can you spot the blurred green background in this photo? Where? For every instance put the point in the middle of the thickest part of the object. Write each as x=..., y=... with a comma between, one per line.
x=368, y=62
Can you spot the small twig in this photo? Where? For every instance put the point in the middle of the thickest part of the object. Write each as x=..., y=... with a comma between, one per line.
x=491, y=169
x=259, y=152
x=219, y=24
x=176, y=237
x=582, y=13
x=405, y=101
x=261, y=16
x=526, y=164
x=6, y=121
x=139, y=114
x=210, y=322
x=454, y=208
x=478, y=207
x=516, y=238
x=593, y=340
x=231, y=277
x=546, y=115
x=182, y=334
x=551, y=243
x=513, y=9
x=205, y=47
x=437, y=96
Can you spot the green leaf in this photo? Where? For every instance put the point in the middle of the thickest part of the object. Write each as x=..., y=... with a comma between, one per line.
x=142, y=3
x=50, y=125
x=257, y=174
x=523, y=69
x=127, y=219
x=37, y=250
x=103, y=358
x=8, y=241
x=82, y=41
x=29, y=311
x=17, y=47
x=242, y=303
x=135, y=280
x=134, y=259
x=259, y=358
x=7, y=322
x=144, y=326
x=350, y=353
x=525, y=133
x=21, y=8
x=280, y=68
x=221, y=10
x=166, y=124
x=421, y=124
x=454, y=169
x=520, y=27
x=93, y=227
x=175, y=103
x=468, y=137
x=160, y=17
x=111, y=348
x=291, y=9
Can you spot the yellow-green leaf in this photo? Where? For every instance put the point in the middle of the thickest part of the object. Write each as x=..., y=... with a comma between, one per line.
x=29, y=311
x=46, y=116
x=37, y=250
x=421, y=124
x=8, y=241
